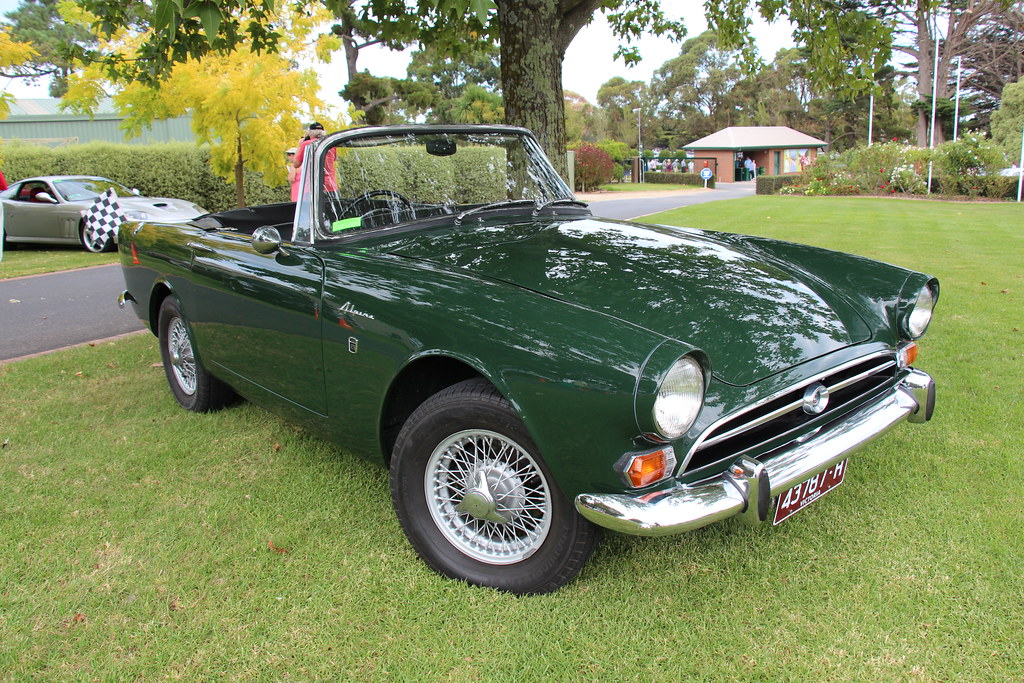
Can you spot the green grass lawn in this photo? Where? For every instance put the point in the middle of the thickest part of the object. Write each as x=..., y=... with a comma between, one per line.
x=144, y=542
x=33, y=259
x=646, y=187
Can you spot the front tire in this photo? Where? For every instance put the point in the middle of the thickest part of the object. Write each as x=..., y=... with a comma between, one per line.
x=477, y=501
x=193, y=387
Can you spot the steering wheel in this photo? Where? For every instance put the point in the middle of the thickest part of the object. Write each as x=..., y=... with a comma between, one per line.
x=381, y=193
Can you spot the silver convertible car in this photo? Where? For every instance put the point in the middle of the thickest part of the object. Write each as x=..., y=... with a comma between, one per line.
x=48, y=209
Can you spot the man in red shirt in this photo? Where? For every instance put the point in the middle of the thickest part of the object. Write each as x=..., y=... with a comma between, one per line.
x=313, y=135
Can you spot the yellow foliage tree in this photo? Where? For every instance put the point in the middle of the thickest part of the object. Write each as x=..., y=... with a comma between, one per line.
x=12, y=53
x=247, y=107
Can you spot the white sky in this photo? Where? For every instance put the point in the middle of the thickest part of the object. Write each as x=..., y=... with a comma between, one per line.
x=588, y=62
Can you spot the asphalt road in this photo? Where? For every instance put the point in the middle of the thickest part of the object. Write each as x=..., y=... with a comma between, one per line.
x=46, y=312
x=631, y=206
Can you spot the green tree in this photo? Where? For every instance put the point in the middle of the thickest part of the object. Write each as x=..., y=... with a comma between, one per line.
x=992, y=58
x=437, y=82
x=478, y=105
x=620, y=99
x=693, y=91
x=533, y=37
x=583, y=121
x=951, y=27
x=1008, y=121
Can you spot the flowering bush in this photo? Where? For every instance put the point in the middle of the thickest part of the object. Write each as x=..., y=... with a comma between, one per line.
x=970, y=167
x=594, y=166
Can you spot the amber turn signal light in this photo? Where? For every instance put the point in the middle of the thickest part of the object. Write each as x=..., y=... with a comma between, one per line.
x=907, y=354
x=647, y=468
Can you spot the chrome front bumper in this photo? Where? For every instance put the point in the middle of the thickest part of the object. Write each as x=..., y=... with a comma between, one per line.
x=748, y=488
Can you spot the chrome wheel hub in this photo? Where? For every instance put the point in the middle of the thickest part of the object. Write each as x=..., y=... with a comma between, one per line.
x=179, y=350
x=488, y=497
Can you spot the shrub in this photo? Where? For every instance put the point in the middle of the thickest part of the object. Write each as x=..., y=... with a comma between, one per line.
x=471, y=176
x=772, y=184
x=887, y=168
x=594, y=166
x=179, y=170
x=616, y=150
x=970, y=167
x=677, y=178
x=182, y=170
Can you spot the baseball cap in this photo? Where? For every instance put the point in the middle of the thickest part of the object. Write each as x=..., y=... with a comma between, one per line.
x=315, y=126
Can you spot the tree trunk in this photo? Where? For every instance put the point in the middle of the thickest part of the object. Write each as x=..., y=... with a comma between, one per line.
x=959, y=21
x=534, y=35
x=239, y=174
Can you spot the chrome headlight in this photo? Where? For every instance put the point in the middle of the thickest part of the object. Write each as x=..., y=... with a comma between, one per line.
x=916, y=321
x=680, y=398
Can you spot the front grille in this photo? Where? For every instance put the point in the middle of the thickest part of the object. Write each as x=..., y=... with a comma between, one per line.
x=770, y=423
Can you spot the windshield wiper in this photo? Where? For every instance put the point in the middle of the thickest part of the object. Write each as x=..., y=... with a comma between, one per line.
x=493, y=205
x=552, y=202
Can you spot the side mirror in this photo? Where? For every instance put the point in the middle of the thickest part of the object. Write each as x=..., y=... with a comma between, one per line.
x=44, y=198
x=267, y=240
x=135, y=191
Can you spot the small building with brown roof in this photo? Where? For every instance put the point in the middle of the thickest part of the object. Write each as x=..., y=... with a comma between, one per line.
x=775, y=150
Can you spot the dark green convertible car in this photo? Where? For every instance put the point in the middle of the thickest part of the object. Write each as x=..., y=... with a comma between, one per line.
x=437, y=300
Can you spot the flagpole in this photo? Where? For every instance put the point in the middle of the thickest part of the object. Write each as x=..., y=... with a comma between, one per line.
x=956, y=112
x=871, y=116
x=935, y=85
x=1020, y=165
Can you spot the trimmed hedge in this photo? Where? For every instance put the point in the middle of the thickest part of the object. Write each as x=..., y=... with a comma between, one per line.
x=473, y=175
x=182, y=171
x=178, y=170
x=677, y=178
x=771, y=184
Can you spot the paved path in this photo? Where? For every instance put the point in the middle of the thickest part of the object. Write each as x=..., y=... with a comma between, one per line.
x=46, y=312
x=632, y=205
x=42, y=313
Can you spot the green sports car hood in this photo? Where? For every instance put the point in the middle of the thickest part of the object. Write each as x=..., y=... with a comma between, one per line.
x=752, y=314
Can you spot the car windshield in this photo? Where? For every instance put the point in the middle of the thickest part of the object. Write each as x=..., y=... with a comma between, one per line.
x=79, y=189
x=386, y=179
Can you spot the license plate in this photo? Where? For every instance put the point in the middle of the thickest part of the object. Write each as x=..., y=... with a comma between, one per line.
x=802, y=495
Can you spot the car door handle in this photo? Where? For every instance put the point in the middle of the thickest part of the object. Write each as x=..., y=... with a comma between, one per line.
x=200, y=247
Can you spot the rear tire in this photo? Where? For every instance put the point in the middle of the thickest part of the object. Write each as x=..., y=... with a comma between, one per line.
x=193, y=387
x=476, y=500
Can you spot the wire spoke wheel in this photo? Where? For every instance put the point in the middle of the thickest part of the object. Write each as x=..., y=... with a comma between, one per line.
x=193, y=387
x=476, y=499
x=183, y=362
x=488, y=497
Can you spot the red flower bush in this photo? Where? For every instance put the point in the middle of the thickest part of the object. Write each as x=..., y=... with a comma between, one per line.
x=594, y=167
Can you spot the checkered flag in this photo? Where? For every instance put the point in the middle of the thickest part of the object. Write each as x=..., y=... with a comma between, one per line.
x=103, y=218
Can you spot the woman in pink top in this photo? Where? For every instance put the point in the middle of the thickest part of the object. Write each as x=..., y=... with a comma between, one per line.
x=316, y=131
x=293, y=173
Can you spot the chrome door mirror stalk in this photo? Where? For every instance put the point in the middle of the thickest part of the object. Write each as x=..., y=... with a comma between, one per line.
x=267, y=240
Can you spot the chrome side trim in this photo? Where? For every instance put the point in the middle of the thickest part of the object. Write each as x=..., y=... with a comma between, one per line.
x=741, y=489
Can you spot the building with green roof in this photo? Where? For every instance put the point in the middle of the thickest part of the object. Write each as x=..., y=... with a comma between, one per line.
x=41, y=121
